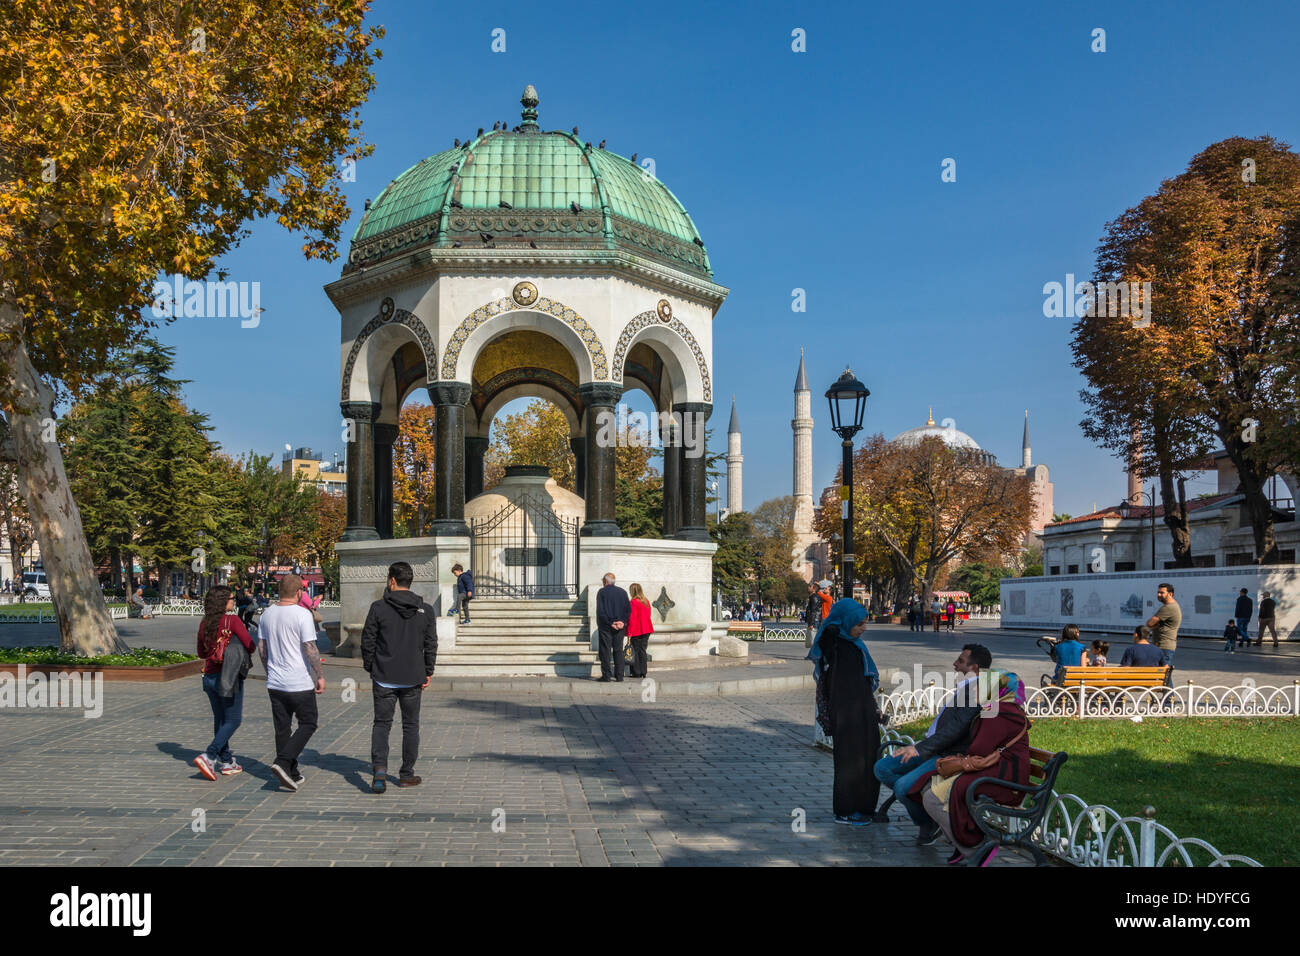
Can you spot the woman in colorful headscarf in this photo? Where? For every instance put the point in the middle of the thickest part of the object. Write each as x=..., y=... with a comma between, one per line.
x=1001, y=725
x=845, y=671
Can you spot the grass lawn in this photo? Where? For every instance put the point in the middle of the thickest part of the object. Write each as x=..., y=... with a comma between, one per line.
x=1229, y=781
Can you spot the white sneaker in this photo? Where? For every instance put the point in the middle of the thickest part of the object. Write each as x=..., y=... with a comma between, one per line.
x=285, y=779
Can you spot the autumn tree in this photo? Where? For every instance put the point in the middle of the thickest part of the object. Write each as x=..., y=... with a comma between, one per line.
x=413, y=468
x=539, y=435
x=1217, y=362
x=137, y=138
x=15, y=523
x=930, y=504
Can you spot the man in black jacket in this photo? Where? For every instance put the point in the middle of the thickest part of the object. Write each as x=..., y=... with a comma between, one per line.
x=399, y=647
x=1243, y=612
x=948, y=735
x=1267, y=618
x=612, y=611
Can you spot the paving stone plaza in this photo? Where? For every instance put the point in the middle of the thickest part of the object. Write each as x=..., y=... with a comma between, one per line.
x=589, y=775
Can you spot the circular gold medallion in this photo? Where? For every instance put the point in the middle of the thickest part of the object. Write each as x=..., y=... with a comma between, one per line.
x=525, y=293
x=665, y=310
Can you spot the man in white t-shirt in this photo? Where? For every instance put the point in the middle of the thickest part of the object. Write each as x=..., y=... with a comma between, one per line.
x=286, y=641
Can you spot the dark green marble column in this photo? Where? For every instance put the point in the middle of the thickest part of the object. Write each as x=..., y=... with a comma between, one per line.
x=361, y=471
x=475, y=451
x=579, y=446
x=599, y=399
x=672, y=480
x=385, y=435
x=449, y=399
x=694, y=474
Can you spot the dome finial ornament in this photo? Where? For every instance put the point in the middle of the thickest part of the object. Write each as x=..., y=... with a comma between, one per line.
x=929, y=421
x=529, y=102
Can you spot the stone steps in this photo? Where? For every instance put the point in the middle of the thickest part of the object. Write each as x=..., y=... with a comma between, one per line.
x=527, y=637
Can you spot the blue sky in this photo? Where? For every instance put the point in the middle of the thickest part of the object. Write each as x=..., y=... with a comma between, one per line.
x=816, y=170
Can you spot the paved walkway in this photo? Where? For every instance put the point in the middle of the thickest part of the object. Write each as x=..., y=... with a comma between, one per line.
x=572, y=779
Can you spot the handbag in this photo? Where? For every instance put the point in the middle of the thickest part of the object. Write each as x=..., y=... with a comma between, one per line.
x=234, y=668
x=968, y=763
x=218, y=652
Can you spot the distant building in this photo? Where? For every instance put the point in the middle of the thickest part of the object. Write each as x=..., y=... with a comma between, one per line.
x=1041, y=487
x=1119, y=537
x=327, y=476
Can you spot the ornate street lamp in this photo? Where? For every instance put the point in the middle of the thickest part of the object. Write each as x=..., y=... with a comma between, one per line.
x=848, y=403
x=1126, y=510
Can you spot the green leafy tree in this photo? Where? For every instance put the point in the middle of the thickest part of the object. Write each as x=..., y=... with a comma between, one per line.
x=138, y=138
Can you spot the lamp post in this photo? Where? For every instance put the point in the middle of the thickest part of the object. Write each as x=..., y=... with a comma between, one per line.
x=1126, y=509
x=848, y=402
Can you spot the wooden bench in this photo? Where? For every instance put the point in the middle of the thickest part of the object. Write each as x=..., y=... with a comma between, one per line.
x=986, y=812
x=1116, y=678
x=744, y=627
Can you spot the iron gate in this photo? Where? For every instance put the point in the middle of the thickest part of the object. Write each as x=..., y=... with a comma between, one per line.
x=525, y=550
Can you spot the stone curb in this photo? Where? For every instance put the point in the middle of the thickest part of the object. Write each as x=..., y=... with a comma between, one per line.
x=564, y=687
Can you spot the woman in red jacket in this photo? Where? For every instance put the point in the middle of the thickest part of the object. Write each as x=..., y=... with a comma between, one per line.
x=219, y=626
x=639, y=629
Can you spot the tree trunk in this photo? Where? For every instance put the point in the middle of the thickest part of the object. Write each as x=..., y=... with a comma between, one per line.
x=85, y=626
x=115, y=568
x=1175, y=513
x=1258, y=506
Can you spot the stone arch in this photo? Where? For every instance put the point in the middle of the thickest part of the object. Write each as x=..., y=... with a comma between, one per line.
x=554, y=318
x=683, y=356
x=528, y=390
x=367, y=389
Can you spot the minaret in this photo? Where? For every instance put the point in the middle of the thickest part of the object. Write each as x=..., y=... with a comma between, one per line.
x=1025, y=457
x=803, y=499
x=735, y=460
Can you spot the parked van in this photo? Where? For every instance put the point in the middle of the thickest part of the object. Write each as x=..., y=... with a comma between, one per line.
x=35, y=585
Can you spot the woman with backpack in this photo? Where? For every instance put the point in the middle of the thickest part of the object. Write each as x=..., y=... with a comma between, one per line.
x=639, y=629
x=218, y=631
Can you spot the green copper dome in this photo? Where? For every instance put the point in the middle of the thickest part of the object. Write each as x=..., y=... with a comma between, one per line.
x=561, y=193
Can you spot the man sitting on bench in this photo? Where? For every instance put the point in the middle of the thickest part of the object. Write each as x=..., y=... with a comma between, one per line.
x=947, y=735
x=1143, y=653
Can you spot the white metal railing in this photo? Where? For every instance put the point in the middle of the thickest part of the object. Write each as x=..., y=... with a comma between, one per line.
x=1189, y=700
x=43, y=616
x=780, y=632
x=1094, y=835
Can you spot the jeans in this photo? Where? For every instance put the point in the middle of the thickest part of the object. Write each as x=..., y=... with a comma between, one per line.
x=462, y=607
x=611, y=645
x=899, y=777
x=285, y=705
x=1243, y=623
x=1168, y=658
x=227, y=715
x=386, y=699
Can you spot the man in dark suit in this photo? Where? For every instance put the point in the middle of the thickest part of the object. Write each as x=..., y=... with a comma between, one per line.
x=612, y=611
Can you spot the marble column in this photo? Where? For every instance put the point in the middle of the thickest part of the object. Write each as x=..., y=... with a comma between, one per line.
x=599, y=399
x=385, y=435
x=475, y=451
x=672, y=480
x=579, y=446
x=694, y=475
x=449, y=400
x=361, y=471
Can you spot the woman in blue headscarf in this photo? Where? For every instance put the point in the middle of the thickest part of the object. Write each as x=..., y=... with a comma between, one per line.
x=848, y=676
